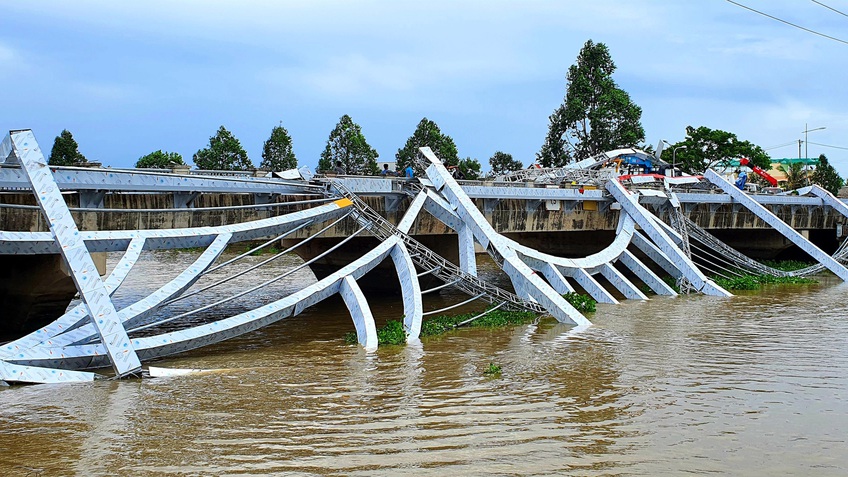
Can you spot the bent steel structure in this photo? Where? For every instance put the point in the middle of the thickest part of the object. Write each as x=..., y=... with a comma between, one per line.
x=96, y=334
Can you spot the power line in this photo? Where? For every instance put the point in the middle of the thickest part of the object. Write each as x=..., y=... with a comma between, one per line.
x=780, y=145
x=828, y=145
x=788, y=23
x=830, y=8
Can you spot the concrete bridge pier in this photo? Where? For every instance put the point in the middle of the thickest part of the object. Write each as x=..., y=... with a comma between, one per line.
x=35, y=290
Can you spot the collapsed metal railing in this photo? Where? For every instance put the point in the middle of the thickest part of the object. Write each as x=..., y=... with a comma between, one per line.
x=95, y=334
x=429, y=261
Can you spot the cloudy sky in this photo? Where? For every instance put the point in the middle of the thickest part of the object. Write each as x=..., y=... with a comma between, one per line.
x=127, y=78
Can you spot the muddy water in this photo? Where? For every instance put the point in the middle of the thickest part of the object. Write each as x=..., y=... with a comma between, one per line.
x=752, y=385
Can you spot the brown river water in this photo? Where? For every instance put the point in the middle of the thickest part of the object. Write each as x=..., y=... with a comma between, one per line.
x=751, y=385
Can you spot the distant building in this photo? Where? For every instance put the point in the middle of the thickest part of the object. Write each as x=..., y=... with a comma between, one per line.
x=809, y=164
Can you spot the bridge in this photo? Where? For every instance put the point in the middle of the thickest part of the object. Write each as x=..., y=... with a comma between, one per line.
x=70, y=215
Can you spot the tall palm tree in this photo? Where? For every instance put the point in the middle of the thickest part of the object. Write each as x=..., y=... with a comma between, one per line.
x=796, y=176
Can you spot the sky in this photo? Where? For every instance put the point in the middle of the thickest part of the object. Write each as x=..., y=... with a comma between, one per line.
x=128, y=78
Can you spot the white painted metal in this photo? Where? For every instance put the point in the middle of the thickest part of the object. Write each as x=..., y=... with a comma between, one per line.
x=413, y=308
x=525, y=281
x=656, y=255
x=32, y=374
x=366, y=330
x=75, y=315
x=793, y=235
x=93, y=292
x=645, y=220
x=645, y=274
x=467, y=256
x=617, y=279
x=592, y=287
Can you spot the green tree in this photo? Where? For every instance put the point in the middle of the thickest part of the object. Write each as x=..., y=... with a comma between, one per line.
x=796, y=176
x=65, y=151
x=347, y=145
x=470, y=168
x=826, y=176
x=706, y=148
x=427, y=134
x=277, y=154
x=596, y=115
x=224, y=153
x=160, y=160
x=503, y=163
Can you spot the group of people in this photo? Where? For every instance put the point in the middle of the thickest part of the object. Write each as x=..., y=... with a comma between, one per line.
x=408, y=172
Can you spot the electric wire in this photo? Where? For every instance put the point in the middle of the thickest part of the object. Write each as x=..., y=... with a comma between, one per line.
x=788, y=23
x=830, y=8
x=828, y=145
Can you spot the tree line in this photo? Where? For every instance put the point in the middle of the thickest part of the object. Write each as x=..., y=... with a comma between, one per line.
x=596, y=116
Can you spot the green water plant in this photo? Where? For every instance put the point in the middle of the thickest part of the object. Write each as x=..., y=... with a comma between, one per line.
x=755, y=282
x=672, y=282
x=493, y=319
x=582, y=302
x=493, y=370
x=392, y=333
x=786, y=265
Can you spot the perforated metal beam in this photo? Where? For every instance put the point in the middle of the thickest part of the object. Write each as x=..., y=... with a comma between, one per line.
x=413, y=309
x=360, y=312
x=75, y=315
x=104, y=317
x=556, y=279
x=524, y=279
x=592, y=287
x=164, y=344
x=621, y=283
x=629, y=203
x=35, y=375
x=826, y=197
x=645, y=274
x=777, y=224
x=467, y=257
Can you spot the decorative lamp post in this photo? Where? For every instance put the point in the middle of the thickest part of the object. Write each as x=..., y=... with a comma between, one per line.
x=674, y=156
x=806, y=144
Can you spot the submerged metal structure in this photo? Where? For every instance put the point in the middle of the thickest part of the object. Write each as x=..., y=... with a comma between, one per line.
x=95, y=334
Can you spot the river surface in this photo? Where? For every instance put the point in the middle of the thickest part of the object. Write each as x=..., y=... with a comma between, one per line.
x=754, y=385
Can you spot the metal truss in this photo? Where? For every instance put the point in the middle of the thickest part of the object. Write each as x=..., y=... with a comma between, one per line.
x=447, y=201
x=95, y=334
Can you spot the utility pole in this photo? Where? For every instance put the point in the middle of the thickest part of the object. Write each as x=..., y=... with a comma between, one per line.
x=806, y=144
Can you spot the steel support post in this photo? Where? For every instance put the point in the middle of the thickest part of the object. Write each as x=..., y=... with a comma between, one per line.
x=818, y=254
x=413, y=309
x=645, y=274
x=366, y=330
x=644, y=219
x=93, y=292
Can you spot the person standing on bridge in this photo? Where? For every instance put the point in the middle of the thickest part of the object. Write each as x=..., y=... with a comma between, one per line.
x=408, y=172
x=339, y=169
x=386, y=172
